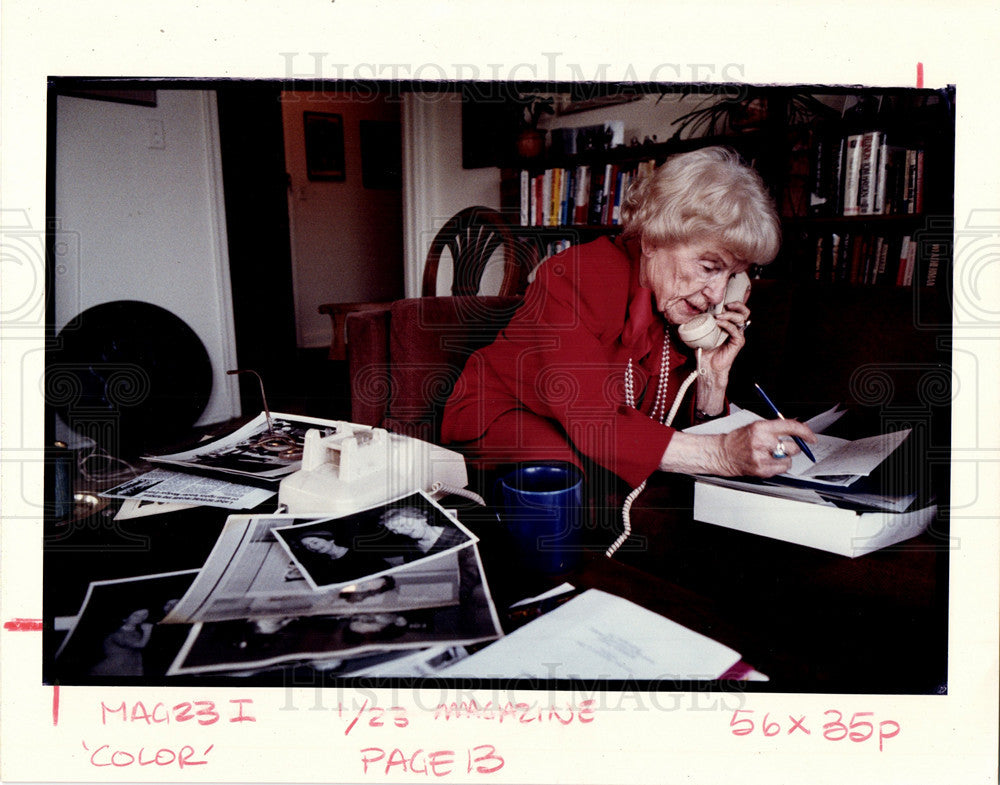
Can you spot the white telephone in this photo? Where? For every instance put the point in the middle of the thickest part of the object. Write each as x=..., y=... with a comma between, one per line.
x=702, y=332
x=359, y=466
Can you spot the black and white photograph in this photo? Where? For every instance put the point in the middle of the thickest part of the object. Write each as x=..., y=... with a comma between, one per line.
x=267, y=448
x=249, y=575
x=257, y=643
x=374, y=541
x=118, y=636
x=553, y=253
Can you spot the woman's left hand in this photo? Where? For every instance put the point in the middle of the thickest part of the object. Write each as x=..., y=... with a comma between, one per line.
x=715, y=363
x=733, y=321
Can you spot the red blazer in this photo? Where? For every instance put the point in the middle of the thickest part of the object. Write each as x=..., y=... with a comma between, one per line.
x=563, y=357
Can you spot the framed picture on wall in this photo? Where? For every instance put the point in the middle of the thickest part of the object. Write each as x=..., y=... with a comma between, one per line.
x=324, y=146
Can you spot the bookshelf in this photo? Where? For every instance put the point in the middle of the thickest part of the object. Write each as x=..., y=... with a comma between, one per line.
x=863, y=179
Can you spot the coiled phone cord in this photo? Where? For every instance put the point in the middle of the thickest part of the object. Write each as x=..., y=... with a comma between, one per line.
x=451, y=490
x=627, y=505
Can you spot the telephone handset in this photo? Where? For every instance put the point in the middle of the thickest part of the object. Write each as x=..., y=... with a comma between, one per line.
x=702, y=332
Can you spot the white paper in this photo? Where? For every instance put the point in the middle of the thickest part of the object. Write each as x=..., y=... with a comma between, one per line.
x=600, y=636
x=161, y=485
x=560, y=589
x=824, y=420
x=807, y=495
x=846, y=532
x=839, y=462
x=860, y=457
x=141, y=508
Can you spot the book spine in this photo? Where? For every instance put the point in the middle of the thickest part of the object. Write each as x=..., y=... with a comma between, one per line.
x=904, y=249
x=525, y=191
x=620, y=185
x=882, y=259
x=836, y=177
x=533, y=210
x=852, y=174
x=882, y=179
x=911, y=263
x=910, y=181
x=596, y=196
x=580, y=203
x=933, y=264
x=895, y=168
x=569, y=209
x=846, y=251
x=564, y=192
x=546, y=206
x=868, y=175
x=918, y=184
x=859, y=252
x=832, y=256
x=555, y=203
x=818, y=185
x=610, y=179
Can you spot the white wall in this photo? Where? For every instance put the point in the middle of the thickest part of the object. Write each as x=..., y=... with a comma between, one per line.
x=140, y=188
x=346, y=239
x=435, y=186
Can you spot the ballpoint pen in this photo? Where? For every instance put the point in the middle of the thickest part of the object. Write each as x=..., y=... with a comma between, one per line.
x=780, y=416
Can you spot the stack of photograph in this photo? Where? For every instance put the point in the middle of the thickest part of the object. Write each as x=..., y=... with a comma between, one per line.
x=395, y=589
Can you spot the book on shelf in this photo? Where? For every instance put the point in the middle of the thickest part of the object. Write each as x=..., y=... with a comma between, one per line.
x=868, y=175
x=873, y=258
x=865, y=174
x=525, y=198
x=546, y=205
x=852, y=174
x=580, y=195
x=935, y=257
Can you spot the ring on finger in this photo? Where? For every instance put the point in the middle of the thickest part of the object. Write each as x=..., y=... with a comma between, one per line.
x=779, y=450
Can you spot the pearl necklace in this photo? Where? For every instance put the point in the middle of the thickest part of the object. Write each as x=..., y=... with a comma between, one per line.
x=660, y=403
x=665, y=418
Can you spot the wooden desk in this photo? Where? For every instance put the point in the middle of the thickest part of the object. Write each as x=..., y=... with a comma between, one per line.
x=810, y=621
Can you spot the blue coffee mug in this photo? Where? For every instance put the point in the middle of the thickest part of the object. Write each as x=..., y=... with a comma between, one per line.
x=541, y=505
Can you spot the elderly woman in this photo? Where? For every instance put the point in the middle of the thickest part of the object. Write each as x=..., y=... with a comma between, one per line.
x=591, y=364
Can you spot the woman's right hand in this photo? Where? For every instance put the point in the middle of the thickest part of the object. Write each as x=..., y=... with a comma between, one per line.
x=749, y=451
x=745, y=452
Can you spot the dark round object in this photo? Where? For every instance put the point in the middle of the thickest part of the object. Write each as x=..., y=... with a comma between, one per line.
x=130, y=375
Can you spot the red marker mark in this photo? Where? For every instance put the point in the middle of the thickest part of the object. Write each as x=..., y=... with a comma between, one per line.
x=55, y=705
x=358, y=717
x=920, y=75
x=23, y=625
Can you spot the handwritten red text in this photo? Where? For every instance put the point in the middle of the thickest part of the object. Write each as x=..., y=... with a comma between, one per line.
x=483, y=759
x=377, y=717
x=198, y=712
x=515, y=712
x=106, y=755
x=861, y=728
